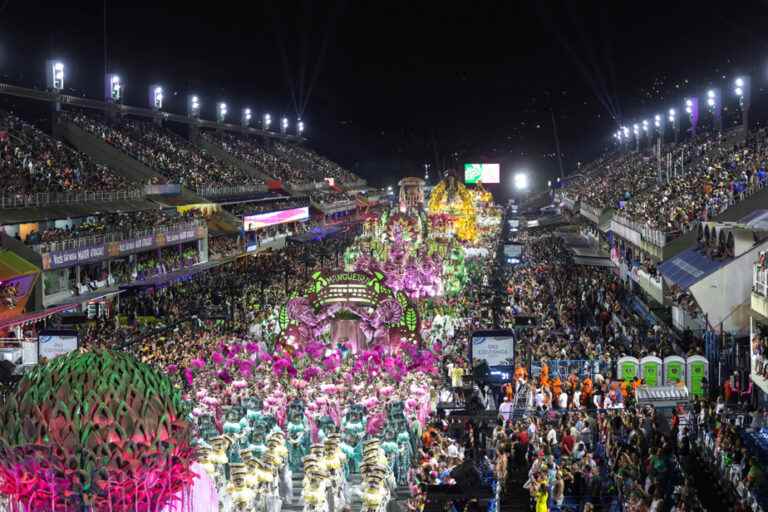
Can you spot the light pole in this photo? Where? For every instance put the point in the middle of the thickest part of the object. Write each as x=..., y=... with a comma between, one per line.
x=266, y=121
x=636, y=131
x=659, y=125
x=299, y=127
x=246, y=118
x=113, y=91
x=625, y=132
x=284, y=125
x=673, y=122
x=743, y=91
x=692, y=109
x=156, y=97
x=55, y=80
x=193, y=107
x=221, y=113
x=715, y=107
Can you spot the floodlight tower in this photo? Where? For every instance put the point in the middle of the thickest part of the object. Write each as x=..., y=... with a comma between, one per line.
x=658, y=123
x=245, y=120
x=284, y=125
x=636, y=132
x=55, y=80
x=221, y=112
x=266, y=121
x=743, y=91
x=193, y=112
x=299, y=127
x=715, y=107
x=674, y=123
x=692, y=109
x=113, y=89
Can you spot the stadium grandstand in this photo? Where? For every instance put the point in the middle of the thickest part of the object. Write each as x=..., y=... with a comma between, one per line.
x=203, y=316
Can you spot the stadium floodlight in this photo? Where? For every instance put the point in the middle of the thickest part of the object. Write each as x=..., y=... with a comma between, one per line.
x=156, y=97
x=521, y=181
x=689, y=106
x=300, y=127
x=246, y=118
x=635, y=129
x=284, y=125
x=266, y=121
x=221, y=112
x=626, y=131
x=739, y=91
x=739, y=82
x=657, y=121
x=114, y=89
x=55, y=73
x=193, y=106
x=645, y=125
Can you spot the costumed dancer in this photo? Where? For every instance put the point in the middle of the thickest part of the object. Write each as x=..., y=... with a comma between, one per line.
x=298, y=435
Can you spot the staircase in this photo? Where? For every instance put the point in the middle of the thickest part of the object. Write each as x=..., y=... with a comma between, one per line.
x=521, y=403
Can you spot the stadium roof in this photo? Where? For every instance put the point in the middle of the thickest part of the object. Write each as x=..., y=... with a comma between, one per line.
x=689, y=267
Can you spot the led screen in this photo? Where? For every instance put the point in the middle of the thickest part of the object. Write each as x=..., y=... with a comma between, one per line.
x=262, y=220
x=493, y=350
x=487, y=173
x=513, y=250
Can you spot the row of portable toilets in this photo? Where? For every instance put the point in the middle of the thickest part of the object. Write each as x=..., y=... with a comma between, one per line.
x=671, y=370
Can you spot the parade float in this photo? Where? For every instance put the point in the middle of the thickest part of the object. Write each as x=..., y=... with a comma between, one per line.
x=452, y=211
x=95, y=431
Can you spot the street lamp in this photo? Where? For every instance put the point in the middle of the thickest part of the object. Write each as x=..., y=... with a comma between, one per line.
x=266, y=121
x=221, y=112
x=246, y=119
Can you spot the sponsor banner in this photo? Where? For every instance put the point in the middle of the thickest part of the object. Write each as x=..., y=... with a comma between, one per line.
x=262, y=220
x=71, y=257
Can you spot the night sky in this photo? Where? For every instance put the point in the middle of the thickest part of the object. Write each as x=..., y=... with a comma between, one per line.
x=385, y=87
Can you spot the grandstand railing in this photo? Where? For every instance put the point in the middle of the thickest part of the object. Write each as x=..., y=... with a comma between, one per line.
x=591, y=212
x=654, y=236
x=94, y=240
x=43, y=199
x=231, y=191
x=760, y=278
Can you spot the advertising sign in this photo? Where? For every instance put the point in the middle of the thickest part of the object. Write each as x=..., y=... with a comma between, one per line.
x=486, y=173
x=262, y=220
x=78, y=256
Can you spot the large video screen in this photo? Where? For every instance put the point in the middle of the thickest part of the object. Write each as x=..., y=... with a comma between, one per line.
x=51, y=344
x=262, y=220
x=513, y=250
x=487, y=173
x=493, y=350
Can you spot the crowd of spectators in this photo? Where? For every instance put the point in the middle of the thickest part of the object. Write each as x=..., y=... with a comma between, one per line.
x=8, y=295
x=254, y=207
x=708, y=174
x=32, y=162
x=119, y=225
x=292, y=163
x=163, y=151
x=329, y=197
x=224, y=246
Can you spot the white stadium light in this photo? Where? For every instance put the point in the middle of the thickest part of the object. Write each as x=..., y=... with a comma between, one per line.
x=739, y=82
x=739, y=91
x=267, y=121
x=56, y=75
x=114, y=89
x=521, y=181
x=194, y=106
x=711, y=102
x=300, y=127
x=672, y=112
x=711, y=94
x=688, y=103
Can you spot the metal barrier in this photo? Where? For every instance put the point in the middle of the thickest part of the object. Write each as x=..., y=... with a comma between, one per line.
x=94, y=240
x=42, y=199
